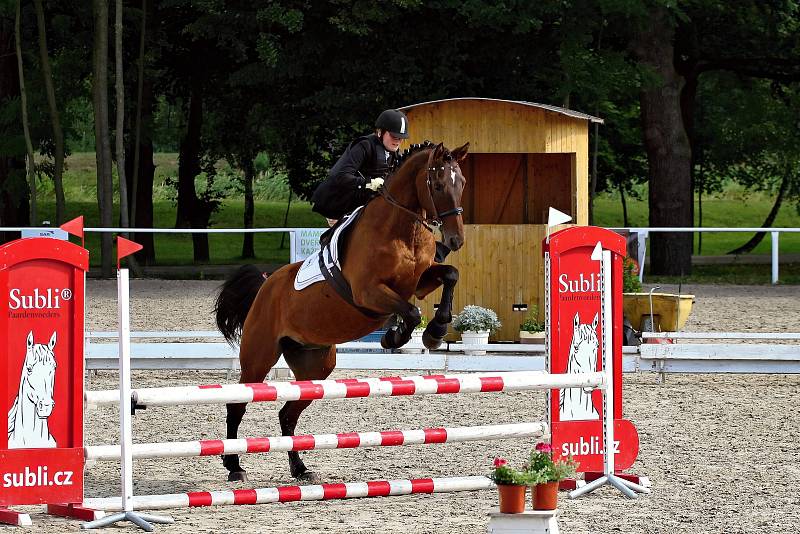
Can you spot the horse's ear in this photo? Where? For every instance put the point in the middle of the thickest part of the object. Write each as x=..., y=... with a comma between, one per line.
x=576, y=321
x=438, y=152
x=29, y=340
x=595, y=321
x=52, y=341
x=460, y=153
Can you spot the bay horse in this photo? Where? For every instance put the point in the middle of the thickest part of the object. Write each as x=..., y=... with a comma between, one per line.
x=387, y=258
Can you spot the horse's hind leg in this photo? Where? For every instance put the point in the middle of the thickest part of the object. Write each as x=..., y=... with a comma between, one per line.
x=307, y=364
x=256, y=361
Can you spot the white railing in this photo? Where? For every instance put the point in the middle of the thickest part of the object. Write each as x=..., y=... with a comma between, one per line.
x=643, y=233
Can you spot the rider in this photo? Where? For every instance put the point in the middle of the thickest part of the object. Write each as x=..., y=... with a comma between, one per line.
x=356, y=177
x=351, y=182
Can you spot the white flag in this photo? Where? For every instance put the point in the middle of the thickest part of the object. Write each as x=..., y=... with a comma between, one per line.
x=555, y=217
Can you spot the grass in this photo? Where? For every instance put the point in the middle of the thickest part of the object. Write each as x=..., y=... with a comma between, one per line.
x=733, y=208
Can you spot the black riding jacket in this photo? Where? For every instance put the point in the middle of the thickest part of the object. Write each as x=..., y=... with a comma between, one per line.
x=344, y=189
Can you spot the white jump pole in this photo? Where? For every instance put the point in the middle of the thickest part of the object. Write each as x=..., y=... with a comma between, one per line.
x=627, y=488
x=125, y=431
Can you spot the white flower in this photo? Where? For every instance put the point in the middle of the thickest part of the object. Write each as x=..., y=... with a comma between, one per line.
x=375, y=184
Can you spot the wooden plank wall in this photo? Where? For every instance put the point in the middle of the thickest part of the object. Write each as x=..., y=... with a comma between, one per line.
x=499, y=265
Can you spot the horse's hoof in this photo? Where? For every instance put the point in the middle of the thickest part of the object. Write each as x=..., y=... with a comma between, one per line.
x=430, y=342
x=308, y=477
x=237, y=476
x=391, y=339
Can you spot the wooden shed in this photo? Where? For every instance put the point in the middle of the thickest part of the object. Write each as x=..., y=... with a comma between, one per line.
x=524, y=158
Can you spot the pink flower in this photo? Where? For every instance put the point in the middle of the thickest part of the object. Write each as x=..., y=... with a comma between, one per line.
x=544, y=447
x=500, y=462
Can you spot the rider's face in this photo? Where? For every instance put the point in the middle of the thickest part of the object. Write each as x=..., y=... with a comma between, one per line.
x=390, y=142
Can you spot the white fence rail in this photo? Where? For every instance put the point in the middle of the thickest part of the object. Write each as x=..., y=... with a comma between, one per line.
x=165, y=351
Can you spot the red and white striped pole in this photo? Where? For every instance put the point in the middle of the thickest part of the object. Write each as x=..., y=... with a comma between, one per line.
x=345, y=440
x=350, y=388
x=350, y=490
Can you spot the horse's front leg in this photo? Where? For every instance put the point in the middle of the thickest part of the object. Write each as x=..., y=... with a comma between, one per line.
x=435, y=276
x=387, y=300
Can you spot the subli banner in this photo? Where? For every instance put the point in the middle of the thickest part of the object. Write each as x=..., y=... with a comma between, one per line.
x=574, y=338
x=41, y=328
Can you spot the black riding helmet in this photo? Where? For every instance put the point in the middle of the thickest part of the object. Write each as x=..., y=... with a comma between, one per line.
x=394, y=122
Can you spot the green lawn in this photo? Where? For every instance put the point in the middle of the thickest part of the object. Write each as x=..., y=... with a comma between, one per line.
x=734, y=208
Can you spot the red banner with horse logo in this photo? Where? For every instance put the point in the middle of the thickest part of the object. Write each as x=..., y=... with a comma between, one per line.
x=41, y=324
x=574, y=338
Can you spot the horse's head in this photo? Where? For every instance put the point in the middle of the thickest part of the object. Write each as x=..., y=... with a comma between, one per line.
x=584, y=340
x=439, y=190
x=39, y=375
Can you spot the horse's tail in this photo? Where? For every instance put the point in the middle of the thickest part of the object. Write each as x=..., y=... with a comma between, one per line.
x=234, y=300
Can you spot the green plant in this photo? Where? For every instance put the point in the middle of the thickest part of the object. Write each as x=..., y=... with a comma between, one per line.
x=504, y=474
x=422, y=324
x=630, y=276
x=543, y=468
x=532, y=322
x=476, y=318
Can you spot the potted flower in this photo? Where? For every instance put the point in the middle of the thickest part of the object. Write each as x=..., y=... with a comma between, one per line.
x=532, y=329
x=546, y=473
x=511, y=486
x=415, y=343
x=475, y=324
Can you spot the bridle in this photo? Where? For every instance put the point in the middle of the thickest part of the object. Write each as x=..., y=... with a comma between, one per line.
x=428, y=222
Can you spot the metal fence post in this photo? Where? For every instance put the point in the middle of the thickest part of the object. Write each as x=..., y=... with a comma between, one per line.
x=775, y=236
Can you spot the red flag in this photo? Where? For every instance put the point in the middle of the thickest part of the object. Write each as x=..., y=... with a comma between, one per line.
x=74, y=227
x=126, y=247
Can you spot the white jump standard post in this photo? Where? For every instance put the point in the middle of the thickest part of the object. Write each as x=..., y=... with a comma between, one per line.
x=126, y=435
x=627, y=488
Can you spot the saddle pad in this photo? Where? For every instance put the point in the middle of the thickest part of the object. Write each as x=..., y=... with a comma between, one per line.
x=309, y=272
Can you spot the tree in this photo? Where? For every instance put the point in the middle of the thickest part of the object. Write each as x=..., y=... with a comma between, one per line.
x=105, y=199
x=30, y=162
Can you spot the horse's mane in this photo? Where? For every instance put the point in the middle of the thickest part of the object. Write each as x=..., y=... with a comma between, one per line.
x=414, y=150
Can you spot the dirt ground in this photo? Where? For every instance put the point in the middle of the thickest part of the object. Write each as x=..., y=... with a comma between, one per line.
x=720, y=450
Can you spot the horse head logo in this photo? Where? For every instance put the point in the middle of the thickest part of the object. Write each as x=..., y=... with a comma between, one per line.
x=27, y=418
x=576, y=403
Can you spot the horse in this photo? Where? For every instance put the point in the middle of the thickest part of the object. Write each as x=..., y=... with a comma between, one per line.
x=575, y=404
x=27, y=418
x=387, y=259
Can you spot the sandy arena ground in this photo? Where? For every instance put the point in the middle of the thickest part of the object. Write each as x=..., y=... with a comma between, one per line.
x=720, y=450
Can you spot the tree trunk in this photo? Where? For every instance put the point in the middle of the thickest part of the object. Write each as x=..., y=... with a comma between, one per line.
x=770, y=220
x=119, y=137
x=624, y=206
x=58, y=133
x=143, y=176
x=30, y=162
x=138, y=122
x=190, y=209
x=248, y=248
x=14, y=207
x=105, y=199
x=667, y=146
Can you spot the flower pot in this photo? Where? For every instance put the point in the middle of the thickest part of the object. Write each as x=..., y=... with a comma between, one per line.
x=471, y=337
x=545, y=496
x=535, y=338
x=512, y=498
x=414, y=345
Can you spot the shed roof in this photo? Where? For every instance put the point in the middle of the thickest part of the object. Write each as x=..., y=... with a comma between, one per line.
x=555, y=109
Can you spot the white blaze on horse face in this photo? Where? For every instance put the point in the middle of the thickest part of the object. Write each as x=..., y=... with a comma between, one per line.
x=453, y=175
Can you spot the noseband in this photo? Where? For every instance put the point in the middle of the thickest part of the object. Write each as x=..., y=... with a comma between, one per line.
x=428, y=222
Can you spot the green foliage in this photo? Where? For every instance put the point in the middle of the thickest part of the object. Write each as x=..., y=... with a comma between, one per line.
x=543, y=468
x=504, y=474
x=630, y=276
x=532, y=322
x=476, y=318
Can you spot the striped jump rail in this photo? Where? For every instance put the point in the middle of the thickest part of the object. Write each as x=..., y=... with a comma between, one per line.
x=349, y=388
x=347, y=440
x=321, y=492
